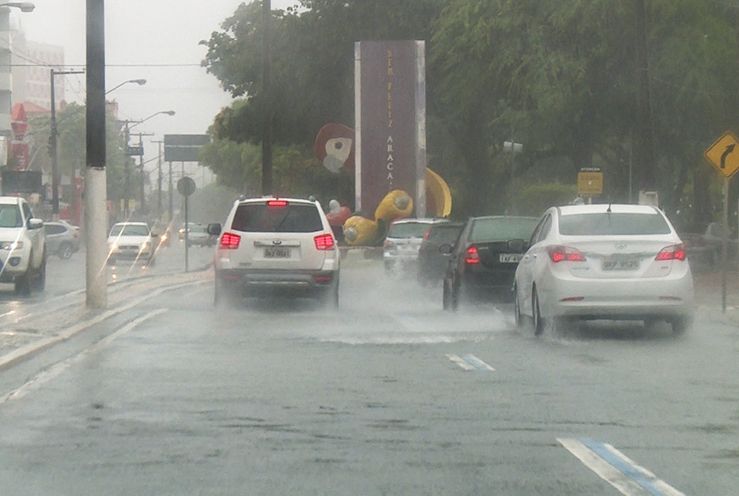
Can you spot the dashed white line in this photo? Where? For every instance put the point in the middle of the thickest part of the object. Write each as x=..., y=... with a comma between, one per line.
x=470, y=362
x=58, y=368
x=456, y=359
x=617, y=469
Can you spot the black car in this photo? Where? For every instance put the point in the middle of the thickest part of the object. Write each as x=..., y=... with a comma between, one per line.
x=483, y=262
x=432, y=261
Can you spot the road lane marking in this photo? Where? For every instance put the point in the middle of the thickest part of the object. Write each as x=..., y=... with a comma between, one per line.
x=470, y=362
x=477, y=363
x=456, y=359
x=617, y=469
x=59, y=368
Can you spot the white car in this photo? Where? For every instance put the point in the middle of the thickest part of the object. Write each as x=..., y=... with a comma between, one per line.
x=615, y=262
x=270, y=244
x=22, y=246
x=132, y=241
x=403, y=242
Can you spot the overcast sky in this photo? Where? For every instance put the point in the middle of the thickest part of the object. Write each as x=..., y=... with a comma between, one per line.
x=144, y=32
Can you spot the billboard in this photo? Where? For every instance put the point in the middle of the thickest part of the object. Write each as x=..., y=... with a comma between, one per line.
x=15, y=182
x=184, y=147
x=390, y=122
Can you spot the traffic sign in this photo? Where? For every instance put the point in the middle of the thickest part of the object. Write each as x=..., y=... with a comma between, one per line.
x=723, y=154
x=186, y=186
x=590, y=182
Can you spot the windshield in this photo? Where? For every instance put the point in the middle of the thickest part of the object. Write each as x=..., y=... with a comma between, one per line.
x=290, y=218
x=502, y=229
x=129, y=230
x=613, y=224
x=10, y=216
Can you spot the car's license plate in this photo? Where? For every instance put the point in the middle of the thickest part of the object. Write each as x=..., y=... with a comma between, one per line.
x=621, y=264
x=510, y=257
x=277, y=252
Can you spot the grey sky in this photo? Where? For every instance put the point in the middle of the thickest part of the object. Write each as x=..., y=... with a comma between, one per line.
x=140, y=32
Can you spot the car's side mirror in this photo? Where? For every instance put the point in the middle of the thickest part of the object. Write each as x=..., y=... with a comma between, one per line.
x=214, y=229
x=35, y=223
x=154, y=235
x=446, y=249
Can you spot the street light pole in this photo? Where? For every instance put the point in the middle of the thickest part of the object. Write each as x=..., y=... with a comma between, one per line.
x=140, y=82
x=159, y=178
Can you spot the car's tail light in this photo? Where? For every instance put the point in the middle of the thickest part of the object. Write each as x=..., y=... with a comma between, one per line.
x=324, y=242
x=565, y=254
x=471, y=256
x=674, y=252
x=277, y=203
x=323, y=278
x=230, y=241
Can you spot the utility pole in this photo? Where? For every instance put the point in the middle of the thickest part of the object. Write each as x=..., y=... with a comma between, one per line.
x=159, y=178
x=143, y=174
x=53, y=143
x=644, y=148
x=267, y=98
x=171, y=196
x=96, y=213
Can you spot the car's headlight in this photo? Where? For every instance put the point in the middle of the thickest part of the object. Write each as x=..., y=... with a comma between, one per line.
x=11, y=245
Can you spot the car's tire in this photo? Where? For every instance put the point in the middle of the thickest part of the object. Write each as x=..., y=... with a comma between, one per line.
x=23, y=284
x=446, y=297
x=65, y=251
x=539, y=323
x=517, y=317
x=681, y=325
x=39, y=277
x=456, y=296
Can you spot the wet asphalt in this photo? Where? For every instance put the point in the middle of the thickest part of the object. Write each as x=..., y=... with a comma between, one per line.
x=390, y=395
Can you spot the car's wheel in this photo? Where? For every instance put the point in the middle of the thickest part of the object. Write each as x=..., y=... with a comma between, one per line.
x=23, y=284
x=680, y=325
x=456, y=295
x=65, y=251
x=536, y=311
x=518, y=318
x=446, y=297
x=39, y=279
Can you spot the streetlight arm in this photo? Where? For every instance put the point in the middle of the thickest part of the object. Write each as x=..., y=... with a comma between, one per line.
x=140, y=82
x=167, y=112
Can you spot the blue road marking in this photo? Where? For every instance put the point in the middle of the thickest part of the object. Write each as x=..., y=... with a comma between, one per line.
x=625, y=468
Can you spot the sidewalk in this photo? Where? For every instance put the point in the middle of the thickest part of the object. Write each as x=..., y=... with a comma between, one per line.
x=708, y=294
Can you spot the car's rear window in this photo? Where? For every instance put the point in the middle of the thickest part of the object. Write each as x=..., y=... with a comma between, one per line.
x=129, y=230
x=408, y=230
x=256, y=217
x=502, y=229
x=442, y=233
x=612, y=224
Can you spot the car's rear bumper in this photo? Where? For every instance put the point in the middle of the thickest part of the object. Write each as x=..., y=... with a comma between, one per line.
x=670, y=296
x=307, y=280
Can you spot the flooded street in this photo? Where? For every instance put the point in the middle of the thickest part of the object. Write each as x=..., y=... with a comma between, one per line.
x=391, y=395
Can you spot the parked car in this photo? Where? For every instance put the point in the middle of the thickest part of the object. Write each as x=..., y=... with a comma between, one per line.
x=22, y=246
x=404, y=237
x=62, y=238
x=276, y=244
x=432, y=261
x=604, y=262
x=198, y=235
x=483, y=261
x=131, y=241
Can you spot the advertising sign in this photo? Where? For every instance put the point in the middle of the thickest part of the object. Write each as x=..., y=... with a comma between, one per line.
x=390, y=122
x=184, y=147
x=590, y=182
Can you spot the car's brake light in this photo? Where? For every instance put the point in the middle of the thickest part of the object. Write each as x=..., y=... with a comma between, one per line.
x=324, y=241
x=230, y=241
x=565, y=254
x=674, y=252
x=472, y=257
x=277, y=203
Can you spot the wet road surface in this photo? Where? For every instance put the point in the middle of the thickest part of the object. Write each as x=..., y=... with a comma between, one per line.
x=391, y=395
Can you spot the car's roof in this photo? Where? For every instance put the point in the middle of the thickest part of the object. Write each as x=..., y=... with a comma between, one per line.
x=131, y=224
x=9, y=200
x=602, y=208
x=504, y=217
x=420, y=220
x=270, y=198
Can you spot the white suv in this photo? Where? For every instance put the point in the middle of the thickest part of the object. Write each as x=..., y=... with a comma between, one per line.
x=22, y=246
x=272, y=244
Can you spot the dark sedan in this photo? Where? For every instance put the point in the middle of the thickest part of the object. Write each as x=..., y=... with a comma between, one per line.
x=432, y=261
x=483, y=262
